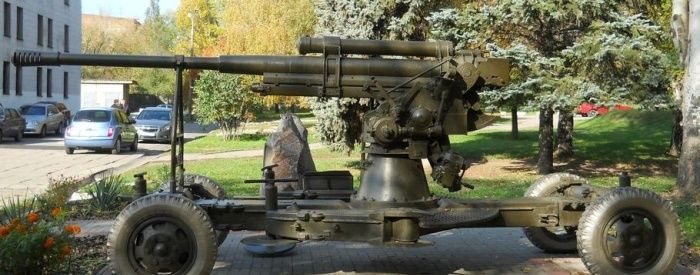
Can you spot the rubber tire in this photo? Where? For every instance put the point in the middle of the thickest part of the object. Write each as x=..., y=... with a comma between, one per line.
x=43, y=131
x=1, y=136
x=59, y=130
x=19, y=136
x=70, y=151
x=135, y=146
x=547, y=186
x=159, y=205
x=117, y=147
x=203, y=188
x=591, y=228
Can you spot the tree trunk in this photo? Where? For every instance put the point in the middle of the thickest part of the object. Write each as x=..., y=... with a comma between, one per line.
x=545, y=162
x=514, y=133
x=277, y=108
x=689, y=161
x=676, y=133
x=565, y=135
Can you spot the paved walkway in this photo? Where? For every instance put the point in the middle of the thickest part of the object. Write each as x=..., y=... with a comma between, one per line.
x=458, y=251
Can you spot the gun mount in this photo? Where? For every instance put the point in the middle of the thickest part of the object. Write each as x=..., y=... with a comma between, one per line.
x=421, y=92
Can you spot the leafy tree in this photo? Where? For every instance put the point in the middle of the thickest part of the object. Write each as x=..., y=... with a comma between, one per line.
x=205, y=14
x=339, y=120
x=224, y=99
x=578, y=49
x=266, y=27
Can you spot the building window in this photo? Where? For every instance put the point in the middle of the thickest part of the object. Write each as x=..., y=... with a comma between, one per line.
x=5, y=78
x=39, y=78
x=49, y=83
x=18, y=80
x=6, y=23
x=50, y=33
x=20, y=23
x=66, y=36
x=65, y=84
x=40, y=30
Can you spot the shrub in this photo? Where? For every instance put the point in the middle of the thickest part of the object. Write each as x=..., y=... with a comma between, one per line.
x=105, y=193
x=33, y=241
x=157, y=177
x=59, y=192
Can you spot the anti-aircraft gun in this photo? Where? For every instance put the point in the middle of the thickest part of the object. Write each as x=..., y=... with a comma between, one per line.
x=422, y=92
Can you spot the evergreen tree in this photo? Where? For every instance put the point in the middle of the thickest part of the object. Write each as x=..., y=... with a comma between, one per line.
x=339, y=120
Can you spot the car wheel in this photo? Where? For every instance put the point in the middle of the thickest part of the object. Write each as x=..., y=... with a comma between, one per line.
x=553, y=239
x=1, y=136
x=135, y=145
x=629, y=231
x=70, y=151
x=117, y=147
x=592, y=113
x=162, y=233
x=59, y=129
x=19, y=136
x=43, y=131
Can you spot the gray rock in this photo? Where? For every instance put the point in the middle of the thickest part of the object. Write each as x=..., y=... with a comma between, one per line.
x=288, y=147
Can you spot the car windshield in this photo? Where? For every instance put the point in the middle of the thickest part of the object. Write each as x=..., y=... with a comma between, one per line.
x=93, y=116
x=154, y=115
x=33, y=110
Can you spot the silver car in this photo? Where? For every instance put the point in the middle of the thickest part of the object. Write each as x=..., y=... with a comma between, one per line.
x=101, y=128
x=42, y=118
x=153, y=123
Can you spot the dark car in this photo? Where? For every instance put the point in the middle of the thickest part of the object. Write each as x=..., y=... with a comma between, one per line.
x=61, y=108
x=11, y=124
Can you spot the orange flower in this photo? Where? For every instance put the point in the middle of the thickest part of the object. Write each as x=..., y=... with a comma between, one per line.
x=15, y=222
x=21, y=228
x=72, y=228
x=48, y=244
x=32, y=217
x=65, y=250
x=55, y=212
x=5, y=230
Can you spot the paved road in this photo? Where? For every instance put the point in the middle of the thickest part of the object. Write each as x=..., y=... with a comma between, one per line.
x=27, y=166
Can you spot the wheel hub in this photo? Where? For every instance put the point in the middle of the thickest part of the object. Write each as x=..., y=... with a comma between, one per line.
x=162, y=245
x=633, y=240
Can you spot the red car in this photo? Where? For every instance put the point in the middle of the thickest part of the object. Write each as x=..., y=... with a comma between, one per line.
x=592, y=110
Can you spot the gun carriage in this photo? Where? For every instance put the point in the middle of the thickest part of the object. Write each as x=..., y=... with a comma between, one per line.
x=421, y=92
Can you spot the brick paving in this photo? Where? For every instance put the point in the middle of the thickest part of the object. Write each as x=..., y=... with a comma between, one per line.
x=459, y=251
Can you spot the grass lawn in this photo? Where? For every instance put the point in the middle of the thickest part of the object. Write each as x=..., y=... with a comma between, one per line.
x=213, y=143
x=634, y=141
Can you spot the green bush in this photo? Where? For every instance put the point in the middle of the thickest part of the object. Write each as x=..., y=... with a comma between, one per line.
x=59, y=192
x=105, y=193
x=32, y=241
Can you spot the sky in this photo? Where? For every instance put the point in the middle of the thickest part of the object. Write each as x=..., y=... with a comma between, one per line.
x=125, y=8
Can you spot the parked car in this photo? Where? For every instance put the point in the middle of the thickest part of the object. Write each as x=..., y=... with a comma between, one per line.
x=11, y=124
x=591, y=110
x=153, y=123
x=101, y=128
x=61, y=108
x=42, y=118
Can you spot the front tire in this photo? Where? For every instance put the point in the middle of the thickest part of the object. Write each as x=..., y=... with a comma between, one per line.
x=629, y=230
x=43, y=131
x=202, y=187
x=553, y=239
x=70, y=151
x=162, y=233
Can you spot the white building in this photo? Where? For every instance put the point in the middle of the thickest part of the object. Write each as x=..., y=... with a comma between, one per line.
x=102, y=93
x=42, y=25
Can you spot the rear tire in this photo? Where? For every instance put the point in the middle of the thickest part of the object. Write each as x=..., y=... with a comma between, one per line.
x=552, y=239
x=59, y=129
x=629, y=230
x=117, y=147
x=162, y=233
x=69, y=151
x=202, y=187
x=19, y=136
x=1, y=136
x=135, y=145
